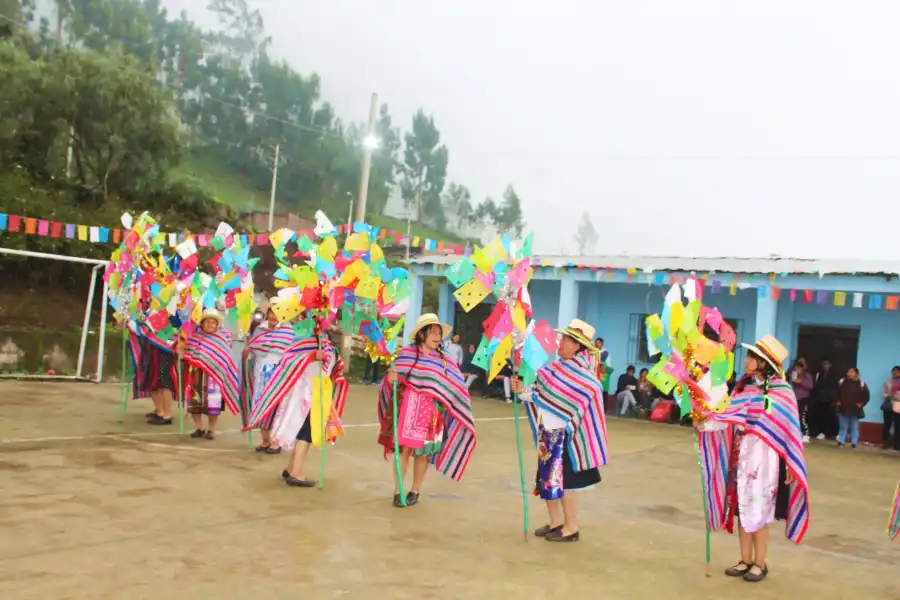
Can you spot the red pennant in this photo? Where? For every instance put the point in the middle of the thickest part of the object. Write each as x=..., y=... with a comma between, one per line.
x=56, y=229
x=14, y=223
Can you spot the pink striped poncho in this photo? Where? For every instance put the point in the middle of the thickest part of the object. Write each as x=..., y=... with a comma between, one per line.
x=263, y=342
x=570, y=390
x=779, y=428
x=437, y=376
x=288, y=373
x=212, y=354
x=894, y=522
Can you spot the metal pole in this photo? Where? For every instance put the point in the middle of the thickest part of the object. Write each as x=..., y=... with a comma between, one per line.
x=87, y=321
x=418, y=202
x=103, y=310
x=75, y=259
x=274, y=186
x=350, y=215
x=367, y=162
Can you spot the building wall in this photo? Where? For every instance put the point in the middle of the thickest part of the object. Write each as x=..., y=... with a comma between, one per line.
x=879, y=340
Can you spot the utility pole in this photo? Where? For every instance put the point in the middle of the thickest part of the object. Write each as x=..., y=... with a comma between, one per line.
x=60, y=18
x=274, y=186
x=368, y=144
x=419, y=185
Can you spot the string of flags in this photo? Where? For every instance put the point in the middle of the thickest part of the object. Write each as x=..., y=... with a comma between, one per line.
x=111, y=235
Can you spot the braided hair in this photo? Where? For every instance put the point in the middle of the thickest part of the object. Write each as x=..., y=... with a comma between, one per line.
x=421, y=336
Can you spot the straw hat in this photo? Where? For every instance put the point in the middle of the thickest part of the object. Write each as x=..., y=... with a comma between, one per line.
x=579, y=331
x=770, y=350
x=211, y=313
x=426, y=320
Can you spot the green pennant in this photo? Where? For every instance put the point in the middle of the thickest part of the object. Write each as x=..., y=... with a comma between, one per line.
x=460, y=273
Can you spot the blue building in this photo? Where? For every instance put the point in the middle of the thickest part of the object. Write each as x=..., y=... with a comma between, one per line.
x=840, y=309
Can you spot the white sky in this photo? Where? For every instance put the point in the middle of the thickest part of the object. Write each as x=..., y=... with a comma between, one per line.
x=709, y=127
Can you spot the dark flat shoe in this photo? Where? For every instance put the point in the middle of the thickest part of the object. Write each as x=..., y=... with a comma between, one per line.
x=294, y=482
x=398, y=502
x=738, y=570
x=152, y=413
x=271, y=450
x=285, y=474
x=198, y=433
x=210, y=435
x=412, y=498
x=546, y=530
x=559, y=537
x=157, y=420
x=262, y=448
x=756, y=577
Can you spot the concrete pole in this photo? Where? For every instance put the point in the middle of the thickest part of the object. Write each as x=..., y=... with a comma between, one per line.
x=274, y=186
x=368, y=144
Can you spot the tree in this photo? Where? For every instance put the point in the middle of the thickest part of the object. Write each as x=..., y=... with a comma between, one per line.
x=10, y=25
x=457, y=204
x=509, y=216
x=425, y=168
x=585, y=236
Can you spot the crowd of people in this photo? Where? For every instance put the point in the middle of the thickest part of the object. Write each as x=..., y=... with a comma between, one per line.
x=832, y=405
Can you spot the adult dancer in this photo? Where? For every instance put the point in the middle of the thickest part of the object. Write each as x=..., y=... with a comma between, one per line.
x=435, y=412
x=565, y=409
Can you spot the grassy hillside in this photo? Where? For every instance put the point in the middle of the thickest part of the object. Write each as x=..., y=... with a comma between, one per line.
x=231, y=188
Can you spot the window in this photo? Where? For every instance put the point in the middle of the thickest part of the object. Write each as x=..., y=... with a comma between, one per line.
x=639, y=351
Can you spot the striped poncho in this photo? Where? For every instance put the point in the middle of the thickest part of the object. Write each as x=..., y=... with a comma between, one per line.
x=779, y=428
x=262, y=343
x=212, y=353
x=439, y=377
x=140, y=340
x=894, y=521
x=570, y=390
x=290, y=369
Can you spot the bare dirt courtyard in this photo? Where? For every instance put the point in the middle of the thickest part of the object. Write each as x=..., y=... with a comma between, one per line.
x=90, y=508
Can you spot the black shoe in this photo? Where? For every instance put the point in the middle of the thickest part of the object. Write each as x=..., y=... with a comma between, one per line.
x=754, y=577
x=271, y=450
x=398, y=501
x=546, y=530
x=158, y=420
x=198, y=433
x=285, y=474
x=412, y=498
x=152, y=413
x=294, y=482
x=737, y=570
x=559, y=537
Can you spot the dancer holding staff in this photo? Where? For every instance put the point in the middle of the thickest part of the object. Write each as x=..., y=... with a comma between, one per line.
x=569, y=428
x=434, y=421
x=753, y=459
x=265, y=347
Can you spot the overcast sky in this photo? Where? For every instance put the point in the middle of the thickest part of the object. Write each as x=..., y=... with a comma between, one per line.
x=708, y=127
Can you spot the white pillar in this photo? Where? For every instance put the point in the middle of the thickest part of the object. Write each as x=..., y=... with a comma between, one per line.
x=415, y=306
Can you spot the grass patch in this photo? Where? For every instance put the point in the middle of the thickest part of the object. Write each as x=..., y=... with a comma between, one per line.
x=223, y=185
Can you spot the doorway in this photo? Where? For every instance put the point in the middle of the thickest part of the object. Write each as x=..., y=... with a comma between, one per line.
x=839, y=344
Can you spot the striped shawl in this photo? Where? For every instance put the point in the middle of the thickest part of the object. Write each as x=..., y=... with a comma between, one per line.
x=439, y=377
x=894, y=522
x=290, y=369
x=262, y=342
x=570, y=390
x=779, y=429
x=212, y=353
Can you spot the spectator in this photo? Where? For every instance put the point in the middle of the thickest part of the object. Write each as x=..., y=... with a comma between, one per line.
x=469, y=371
x=604, y=365
x=853, y=395
x=822, y=402
x=644, y=393
x=454, y=350
x=602, y=352
x=890, y=394
x=625, y=389
x=370, y=375
x=802, y=382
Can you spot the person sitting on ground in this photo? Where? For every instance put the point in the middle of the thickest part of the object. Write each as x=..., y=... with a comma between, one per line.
x=644, y=392
x=625, y=390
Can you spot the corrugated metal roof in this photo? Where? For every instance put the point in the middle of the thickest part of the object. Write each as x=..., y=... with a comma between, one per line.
x=706, y=265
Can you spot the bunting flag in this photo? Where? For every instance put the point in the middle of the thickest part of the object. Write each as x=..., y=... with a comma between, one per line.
x=103, y=235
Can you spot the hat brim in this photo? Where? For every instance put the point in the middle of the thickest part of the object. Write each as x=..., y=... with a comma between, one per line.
x=760, y=353
x=578, y=337
x=217, y=318
x=446, y=330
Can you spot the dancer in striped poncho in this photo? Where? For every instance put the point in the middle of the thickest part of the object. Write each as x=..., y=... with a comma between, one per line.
x=264, y=350
x=435, y=422
x=212, y=374
x=288, y=395
x=565, y=409
x=753, y=461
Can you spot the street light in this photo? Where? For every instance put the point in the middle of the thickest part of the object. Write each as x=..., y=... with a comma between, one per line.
x=369, y=142
x=372, y=142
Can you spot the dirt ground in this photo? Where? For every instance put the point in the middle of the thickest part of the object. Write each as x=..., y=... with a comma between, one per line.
x=93, y=509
